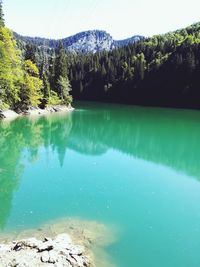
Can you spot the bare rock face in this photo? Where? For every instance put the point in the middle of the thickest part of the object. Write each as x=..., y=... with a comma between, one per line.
x=83, y=42
x=58, y=252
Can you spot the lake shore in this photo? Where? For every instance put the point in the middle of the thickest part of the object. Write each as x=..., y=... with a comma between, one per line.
x=32, y=111
x=47, y=252
x=66, y=242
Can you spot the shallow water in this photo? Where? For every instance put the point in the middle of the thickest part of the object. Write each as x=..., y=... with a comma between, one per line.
x=132, y=167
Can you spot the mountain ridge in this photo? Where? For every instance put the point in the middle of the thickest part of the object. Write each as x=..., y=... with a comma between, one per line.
x=91, y=41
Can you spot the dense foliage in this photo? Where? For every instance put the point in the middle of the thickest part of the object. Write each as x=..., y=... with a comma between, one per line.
x=163, y=70
x=21, y=85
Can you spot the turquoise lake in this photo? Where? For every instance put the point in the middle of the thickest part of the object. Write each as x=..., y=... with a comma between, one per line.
x=135, y=168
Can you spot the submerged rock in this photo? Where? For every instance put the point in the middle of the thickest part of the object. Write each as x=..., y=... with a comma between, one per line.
x=32, y=252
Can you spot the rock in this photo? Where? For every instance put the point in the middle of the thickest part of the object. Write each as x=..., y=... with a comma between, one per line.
x=18, y=246
x=83, y=42
x=63, y=240
x=32, y=111
x=8, y=114
x=45, y=256
x=2, y=116
x=4, y=248
x=76, y=250
x=33, y=243
x=32, y=252
x=52, y=257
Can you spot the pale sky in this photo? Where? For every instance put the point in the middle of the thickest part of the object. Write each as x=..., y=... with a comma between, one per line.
x=121, y=18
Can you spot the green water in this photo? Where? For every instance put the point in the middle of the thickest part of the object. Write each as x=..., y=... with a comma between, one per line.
x=132, y=167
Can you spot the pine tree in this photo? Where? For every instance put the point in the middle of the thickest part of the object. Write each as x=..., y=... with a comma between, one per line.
x=65, y=88
x=141, y=65
x=103, y=70
x=62, y=84
x=52, y=71
x=46, y=90
x=81, y=87
x=60, y=67
x=30, y=53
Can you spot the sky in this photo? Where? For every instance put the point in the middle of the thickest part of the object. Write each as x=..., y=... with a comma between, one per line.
x=121, y=18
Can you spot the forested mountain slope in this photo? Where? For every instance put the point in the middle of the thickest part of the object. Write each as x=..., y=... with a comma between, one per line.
x=163, y=70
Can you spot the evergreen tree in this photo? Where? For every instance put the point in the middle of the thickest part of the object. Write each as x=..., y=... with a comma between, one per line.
x=52, y=71
x=64, y=89
x=81, y=86
x=62, y=84
x=60, y=68
x=30, y=53
x=141, y=64
x=46, y=90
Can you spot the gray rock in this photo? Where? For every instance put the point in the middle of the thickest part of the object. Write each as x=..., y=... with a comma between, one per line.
x=31, y=252
x=83, y=42
x=52, y=257
x=8, y=114
x=45, y=256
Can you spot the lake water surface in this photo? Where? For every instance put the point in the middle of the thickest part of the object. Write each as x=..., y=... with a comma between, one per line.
x=135, y=168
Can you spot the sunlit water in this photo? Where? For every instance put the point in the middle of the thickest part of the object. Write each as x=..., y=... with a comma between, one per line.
x=132, y=167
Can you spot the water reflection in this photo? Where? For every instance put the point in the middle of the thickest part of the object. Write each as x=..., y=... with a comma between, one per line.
x=10, y=168
x=166, y=137
x=27, y=134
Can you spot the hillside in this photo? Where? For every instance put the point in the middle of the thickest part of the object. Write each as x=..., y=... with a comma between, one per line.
x=87, y=41
x=163, y=70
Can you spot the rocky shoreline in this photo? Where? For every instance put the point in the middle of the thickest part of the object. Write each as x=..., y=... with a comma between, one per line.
x=66, y=242
x=47, y=252
x=10, y=114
